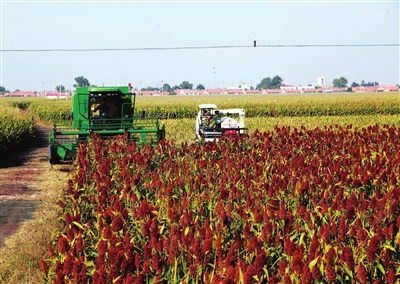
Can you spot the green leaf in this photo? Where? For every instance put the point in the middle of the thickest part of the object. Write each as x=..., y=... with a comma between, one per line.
x=389, y=247
x=241, y=277
x=313, y=262
x=78, y=225
x=294, y=278
x=381, y=268
x=348, y=272
x=340, y=279
x=116, y=279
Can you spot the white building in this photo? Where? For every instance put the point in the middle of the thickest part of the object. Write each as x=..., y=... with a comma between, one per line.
x=288, y=87
x=241, y=87
x=300, y=88
x=321, y=81
x=245, y=87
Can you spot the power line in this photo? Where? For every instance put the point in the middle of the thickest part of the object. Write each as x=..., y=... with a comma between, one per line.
x=201, y=47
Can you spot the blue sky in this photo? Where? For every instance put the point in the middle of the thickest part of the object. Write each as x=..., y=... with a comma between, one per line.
x=74, y=25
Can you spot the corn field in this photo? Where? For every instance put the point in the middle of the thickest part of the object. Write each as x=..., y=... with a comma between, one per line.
x=16, y=128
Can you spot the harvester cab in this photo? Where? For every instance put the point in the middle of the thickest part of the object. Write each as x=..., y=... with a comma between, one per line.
x=109, y=111
x=212, y=123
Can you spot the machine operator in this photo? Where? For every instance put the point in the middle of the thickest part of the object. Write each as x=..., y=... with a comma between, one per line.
x=103, y=108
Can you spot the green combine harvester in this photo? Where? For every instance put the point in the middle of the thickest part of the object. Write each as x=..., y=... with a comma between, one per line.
x=109, y=111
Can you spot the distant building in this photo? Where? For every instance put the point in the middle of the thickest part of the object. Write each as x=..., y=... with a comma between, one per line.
x=215, y=92
x=321, y=81
x=245, y=87
x=288, y=88
x=378, y=88
x=21, y=94
x=254, y=92
x=300, y=88
x=234, y=91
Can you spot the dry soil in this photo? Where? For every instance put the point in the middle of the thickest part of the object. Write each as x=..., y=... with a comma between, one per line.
x=25, y=175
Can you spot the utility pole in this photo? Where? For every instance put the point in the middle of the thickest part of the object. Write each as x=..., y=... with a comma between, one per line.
x=214, y=75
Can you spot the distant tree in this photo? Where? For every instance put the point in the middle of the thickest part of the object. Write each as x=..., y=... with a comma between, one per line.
x=369, y=84
x=2, y=89
x=166, y=87
x=176, y=87
x=340, y=83
x=264, y=84
x=186, y=85
x=149, y=88
x=200, y=87
x=81, y=82
x=354, y=84
x=268, y=83
x=17, y=90
x=60, y=88
x=276, y=82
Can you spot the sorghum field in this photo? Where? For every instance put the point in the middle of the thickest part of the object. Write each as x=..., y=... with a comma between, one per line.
x=311, y=196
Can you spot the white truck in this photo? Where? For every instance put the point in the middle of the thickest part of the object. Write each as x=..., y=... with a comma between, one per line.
x=212, y=123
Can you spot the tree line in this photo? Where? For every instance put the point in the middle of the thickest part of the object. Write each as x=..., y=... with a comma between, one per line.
x=266, y=83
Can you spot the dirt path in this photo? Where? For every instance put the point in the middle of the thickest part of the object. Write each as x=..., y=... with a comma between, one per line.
x=24, y=175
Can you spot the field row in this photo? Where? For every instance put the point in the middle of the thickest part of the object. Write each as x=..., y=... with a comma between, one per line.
x=283, y=105
x=181, y=130
x=263, y=112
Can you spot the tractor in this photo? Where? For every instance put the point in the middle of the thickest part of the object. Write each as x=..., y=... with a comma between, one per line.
x=108, y=111
x=213, y=123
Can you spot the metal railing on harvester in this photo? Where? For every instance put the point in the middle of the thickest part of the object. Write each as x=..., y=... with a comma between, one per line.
x=143, y=130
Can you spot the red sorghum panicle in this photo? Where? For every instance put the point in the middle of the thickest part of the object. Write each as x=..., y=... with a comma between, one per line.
x=306, y=277
x=44, y=267
x=316, y=273
x=117, y=224
x=260, y=261
x=373, y=248
x=391, y=276
x=286, y=279
x=282, y=266
x=68, y=264
x=62, y=244
x=330, y=256
x=348, y=257
x=361, y=274
x=297, y=262
x=330, y=273
x=248, y=275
